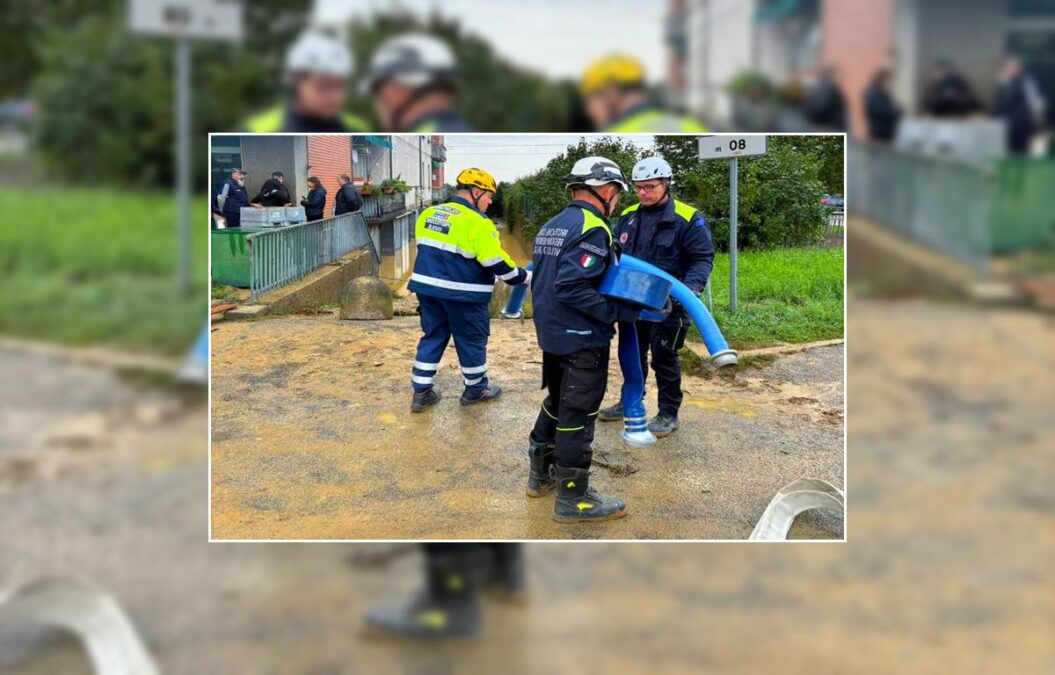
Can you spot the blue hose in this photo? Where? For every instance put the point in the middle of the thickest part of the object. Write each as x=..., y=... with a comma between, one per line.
x=721, y=354
x=516, y=299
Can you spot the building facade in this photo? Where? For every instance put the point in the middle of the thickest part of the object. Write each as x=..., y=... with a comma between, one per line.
x=416, y=159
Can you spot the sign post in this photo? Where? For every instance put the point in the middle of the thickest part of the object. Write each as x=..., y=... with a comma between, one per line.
x=732, y=148
x=183, y=20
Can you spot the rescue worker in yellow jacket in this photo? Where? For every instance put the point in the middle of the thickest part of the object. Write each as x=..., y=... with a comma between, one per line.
x=615, y=98
x=459, y=258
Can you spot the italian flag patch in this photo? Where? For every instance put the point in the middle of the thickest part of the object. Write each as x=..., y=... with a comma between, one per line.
x=587, y=260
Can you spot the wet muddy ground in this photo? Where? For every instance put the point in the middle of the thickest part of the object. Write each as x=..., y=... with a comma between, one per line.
x=313, y=439
x=948, y=568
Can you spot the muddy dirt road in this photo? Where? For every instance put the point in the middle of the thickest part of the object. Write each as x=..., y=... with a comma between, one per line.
x=312, y=439
x=949, y=565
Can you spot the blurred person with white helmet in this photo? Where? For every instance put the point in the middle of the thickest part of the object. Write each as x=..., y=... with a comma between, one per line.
x=615, y=98
x=575, y=324
x=675, y=237
x=316, y=75
x=413, y=79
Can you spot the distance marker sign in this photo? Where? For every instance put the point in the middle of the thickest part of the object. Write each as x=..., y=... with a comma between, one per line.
x=725, y=147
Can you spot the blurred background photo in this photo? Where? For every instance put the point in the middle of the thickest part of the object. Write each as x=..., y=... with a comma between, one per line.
x=103, y=462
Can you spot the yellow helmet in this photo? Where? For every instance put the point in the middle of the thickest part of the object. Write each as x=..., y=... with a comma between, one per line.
x=619, y=70
x=477, y=178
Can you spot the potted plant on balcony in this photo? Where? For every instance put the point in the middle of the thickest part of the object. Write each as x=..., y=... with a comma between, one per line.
x=367, y=188
x=393, y=185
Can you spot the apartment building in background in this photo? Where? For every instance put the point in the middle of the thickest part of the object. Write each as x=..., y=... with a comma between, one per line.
x=712, y=41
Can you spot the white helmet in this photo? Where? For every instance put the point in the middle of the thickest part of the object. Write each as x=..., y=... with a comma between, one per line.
x=595, y=171
x=414, y=60
x=651, y=168
x=315, y=52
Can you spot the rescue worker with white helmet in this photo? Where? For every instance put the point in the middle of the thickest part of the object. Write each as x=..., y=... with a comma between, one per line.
x=316, y=75
x=459, y=258
x=413, y=79
x=574, y=324
x=615, y=98
x=675, y=237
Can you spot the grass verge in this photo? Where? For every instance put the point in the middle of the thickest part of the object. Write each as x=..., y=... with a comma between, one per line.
x=98, y=266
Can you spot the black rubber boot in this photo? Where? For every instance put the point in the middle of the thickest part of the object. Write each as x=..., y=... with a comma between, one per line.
x=577, y=502
x=448, y=606
x=540, y=482
x=611, y=413
x=424, y=400
x=492, y=392
x=507, y=579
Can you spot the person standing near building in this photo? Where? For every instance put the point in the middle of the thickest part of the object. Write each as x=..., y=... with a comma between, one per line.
x=459, y=257
x=948, y=94
x=232, y=198
x=674, y=237
x=315, y=202
x=881, y=110
x=316, y=76
x=615, y=99
x=273, y=192
x=348, y=198
x=413, y=79
x=1020, y=104
x=575, y=324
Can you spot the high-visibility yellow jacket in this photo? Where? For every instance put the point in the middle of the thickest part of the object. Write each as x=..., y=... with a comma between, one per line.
x=460, y=255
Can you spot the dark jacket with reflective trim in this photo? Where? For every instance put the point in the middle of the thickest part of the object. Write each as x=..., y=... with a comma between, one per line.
x=460, y=254
x=572, y=253
x=674, y=238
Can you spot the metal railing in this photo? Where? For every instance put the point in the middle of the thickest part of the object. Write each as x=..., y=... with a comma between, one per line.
x=379, y=204
x=282, y=255
x=835, y=229
x=941, y=202
x=439, y=195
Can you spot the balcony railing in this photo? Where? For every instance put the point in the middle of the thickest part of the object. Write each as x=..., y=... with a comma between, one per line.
x=379, y=204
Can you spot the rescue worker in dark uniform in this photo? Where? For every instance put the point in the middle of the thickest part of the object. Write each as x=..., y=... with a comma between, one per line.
x=413, y=79
x=273, y=192
x=674, y=237
x=317, y=73
x=575, y=325
x=232, y=198
x=348, y=198
x=459, y=259
x=615, y=99
x=315, y=202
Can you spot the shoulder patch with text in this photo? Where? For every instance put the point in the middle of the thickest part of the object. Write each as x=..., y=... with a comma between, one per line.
x=596, y=250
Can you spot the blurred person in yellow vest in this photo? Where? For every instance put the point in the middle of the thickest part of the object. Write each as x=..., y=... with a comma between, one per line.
x=413, y=79
x=317, y=74
x=615, y=98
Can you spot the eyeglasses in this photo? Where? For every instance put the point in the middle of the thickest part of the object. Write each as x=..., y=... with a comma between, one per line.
x=647, y=188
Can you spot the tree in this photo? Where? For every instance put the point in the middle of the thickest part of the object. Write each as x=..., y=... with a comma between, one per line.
x=779, y=193
x=545, y=193
x=105, y=97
